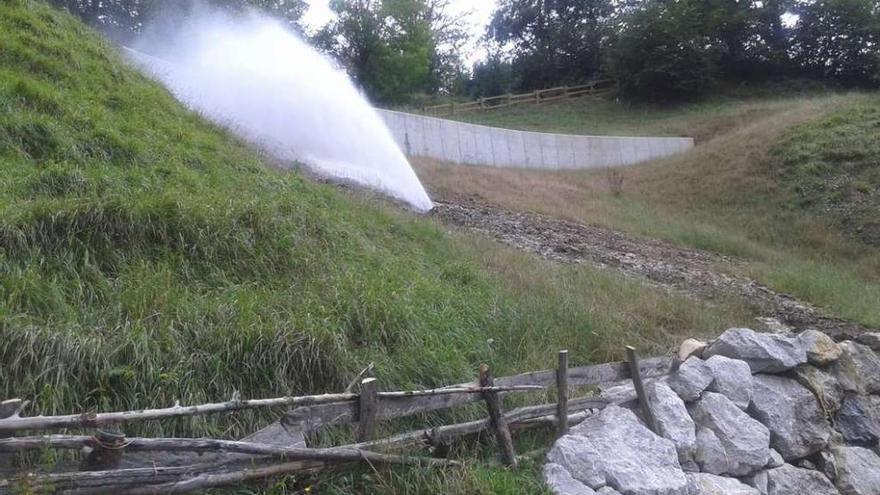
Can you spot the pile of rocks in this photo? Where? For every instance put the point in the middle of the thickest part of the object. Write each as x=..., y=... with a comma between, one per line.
x=748, y=413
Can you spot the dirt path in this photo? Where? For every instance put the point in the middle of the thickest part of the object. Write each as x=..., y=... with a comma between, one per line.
x=684, y=270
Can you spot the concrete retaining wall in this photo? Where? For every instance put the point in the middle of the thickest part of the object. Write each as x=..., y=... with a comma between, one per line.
x=458, y=142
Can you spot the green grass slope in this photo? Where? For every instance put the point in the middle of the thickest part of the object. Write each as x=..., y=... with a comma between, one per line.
x=832, y=166
x=147, y=256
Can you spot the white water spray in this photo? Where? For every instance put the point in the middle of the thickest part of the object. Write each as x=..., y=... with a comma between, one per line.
x=257, y=78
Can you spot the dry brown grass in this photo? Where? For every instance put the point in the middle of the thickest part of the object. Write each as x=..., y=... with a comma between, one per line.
x=723, y=196
x=728, y=169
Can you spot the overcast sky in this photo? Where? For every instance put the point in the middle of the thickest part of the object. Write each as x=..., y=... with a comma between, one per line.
x=318, y=15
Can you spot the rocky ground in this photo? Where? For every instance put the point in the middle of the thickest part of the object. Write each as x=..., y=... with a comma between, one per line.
x=749, y=413
x=693, y=272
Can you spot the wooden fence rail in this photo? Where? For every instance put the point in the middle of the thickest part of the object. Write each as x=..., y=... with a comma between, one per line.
x=537, y=97
x=270, y=453
x=91, y=420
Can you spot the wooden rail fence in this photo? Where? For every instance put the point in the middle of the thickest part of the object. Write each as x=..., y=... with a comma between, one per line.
x=593, y=88
x=113, y=462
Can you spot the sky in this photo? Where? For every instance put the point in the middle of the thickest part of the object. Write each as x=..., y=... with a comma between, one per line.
x=480, y=11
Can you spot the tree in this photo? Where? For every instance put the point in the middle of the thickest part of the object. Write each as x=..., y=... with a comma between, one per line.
x=840, y=39
x=386, y=45
x=660, y=52
x=552, y=41
x=491, y=78
x=121, y=18
x=449, y=36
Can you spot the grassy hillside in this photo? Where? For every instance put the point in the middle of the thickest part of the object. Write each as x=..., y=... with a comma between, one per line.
x=784, y=188
x=728, y=109
x=832, y=166
x=147, y=256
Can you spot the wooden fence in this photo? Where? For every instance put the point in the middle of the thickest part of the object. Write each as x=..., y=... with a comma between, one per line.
x=113, y=462
x=593, y=88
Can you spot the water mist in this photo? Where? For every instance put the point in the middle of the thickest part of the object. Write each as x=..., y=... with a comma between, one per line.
x=255, y=77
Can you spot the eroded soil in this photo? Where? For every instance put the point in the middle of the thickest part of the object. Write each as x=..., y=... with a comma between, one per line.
x=697, y=273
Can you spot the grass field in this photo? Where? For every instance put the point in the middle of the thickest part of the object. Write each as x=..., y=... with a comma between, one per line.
x=147, y=256
x=791, y=186
x=730, y=108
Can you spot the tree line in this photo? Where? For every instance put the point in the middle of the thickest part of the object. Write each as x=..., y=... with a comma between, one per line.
x=656, y=49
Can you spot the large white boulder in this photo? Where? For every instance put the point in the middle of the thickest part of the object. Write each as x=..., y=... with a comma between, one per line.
x=732, y=378
x=614, y=449
x=797, y=424
x=673, y=421
x=790, y=480
x=690, y=379
x=745, y=441
x=764, y=352
x=560, y=481
x=710, y=484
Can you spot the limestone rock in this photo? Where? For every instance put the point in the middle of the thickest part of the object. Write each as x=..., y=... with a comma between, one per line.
x=776, y=459
x=745, y=441
x=764, y=352
x=607, y=490
x=691, y=378
x=710, y=484
x=691, y=347
x=560, y=482
x=858, y=419
x=614, y=448
x=797, y=425
x=710, y=455
x=618, y=393
x=827, y=465
x=858, y=369
x=731, y=377
x=576, y=456
x=821, y=349
x=673, y=420
x=824, y=386
x=858, y=470
x=758, y=481
x=870, y=339
x=790, y=480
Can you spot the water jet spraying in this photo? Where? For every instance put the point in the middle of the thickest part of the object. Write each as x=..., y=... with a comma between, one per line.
x=261, y=81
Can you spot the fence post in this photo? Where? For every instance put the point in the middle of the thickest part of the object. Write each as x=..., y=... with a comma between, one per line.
x=644, y=403
x=367, y=405
x=565, y=92
x=562, y=394
x=8, y=409
x=537, y=97
x=106, y=453
x=452, y=108
x=496, y=418
x=509, y=99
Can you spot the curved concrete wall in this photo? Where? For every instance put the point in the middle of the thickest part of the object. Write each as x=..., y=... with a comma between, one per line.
x=459, y=142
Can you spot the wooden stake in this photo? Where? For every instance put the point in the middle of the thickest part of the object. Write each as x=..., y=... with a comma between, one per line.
x=562, y=394
x=9, y=409
x=497, y=421
x=367, y=407
x=645, y=405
